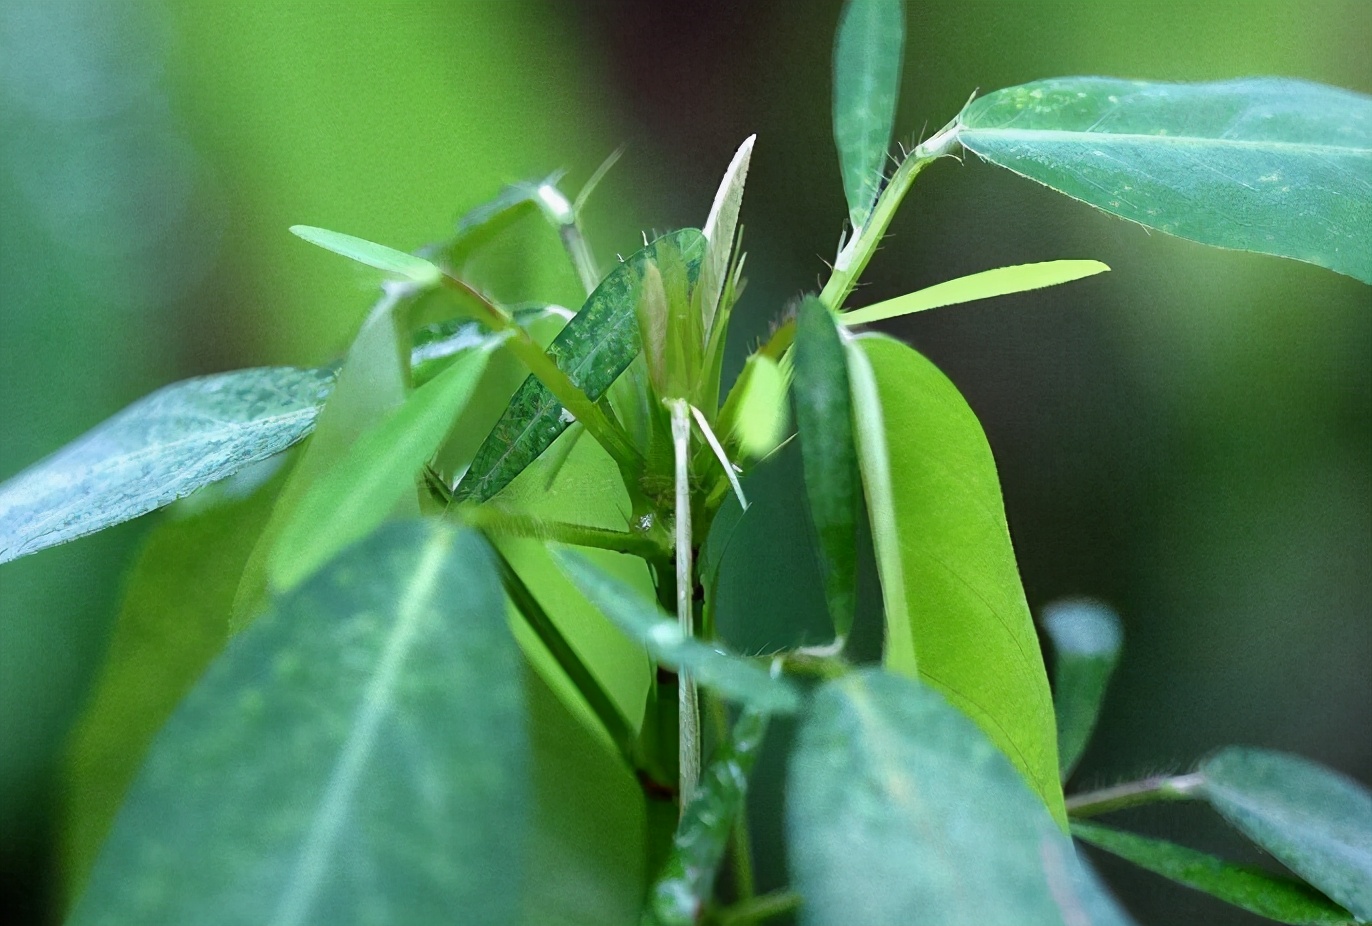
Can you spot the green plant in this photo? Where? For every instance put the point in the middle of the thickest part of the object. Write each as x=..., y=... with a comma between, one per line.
x=431, y=710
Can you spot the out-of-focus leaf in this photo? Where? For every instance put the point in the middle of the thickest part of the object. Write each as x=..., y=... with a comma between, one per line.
x=984, y=285
x=358, y=755
x=824, y=424
x=1282, y=899
x=755, y=411
x=434, y=346
x=1313, y=820
x=595, y=347
x=358, y=493
x=719, y=231
x=868, y=54
x=687, y=882
x=415, y=269
x=162, y=447
x=900, y=810
x=958, y=617
x=730, y=675
x=1263, y=164
x=1086, y=639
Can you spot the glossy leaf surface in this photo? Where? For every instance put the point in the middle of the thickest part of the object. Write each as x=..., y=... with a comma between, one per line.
x=1263, y=164
x=1313, y=820
x=1086, y=639
x=359, y=754
x=1263, y=893
x=964, y=614
x=867, y=63
x=161, y=448
x=415, y=269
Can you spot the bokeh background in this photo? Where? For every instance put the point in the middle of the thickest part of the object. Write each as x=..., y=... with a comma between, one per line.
x=1188, y=438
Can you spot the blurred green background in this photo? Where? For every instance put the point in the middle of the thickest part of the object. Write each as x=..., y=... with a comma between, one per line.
x=1188, y=437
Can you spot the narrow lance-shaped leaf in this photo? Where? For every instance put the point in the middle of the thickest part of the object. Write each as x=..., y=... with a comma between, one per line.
x=1271, y=165
x=868, y=53
x=415, y=269
x=1086, y=639
x=370, y=722
x=719, y=230
x=900, y=810
x=824, y=422
x=1253, y=889
x=730, y=675
x=686, y=884
x=1313, y=820
x=984, y=285
x=161, y=448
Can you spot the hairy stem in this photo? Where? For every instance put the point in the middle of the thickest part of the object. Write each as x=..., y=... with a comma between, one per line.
x=502, y=523
x=1134, y=793
x=688, y=723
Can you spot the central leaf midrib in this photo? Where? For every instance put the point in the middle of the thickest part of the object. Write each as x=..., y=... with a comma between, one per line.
x=1085, y=136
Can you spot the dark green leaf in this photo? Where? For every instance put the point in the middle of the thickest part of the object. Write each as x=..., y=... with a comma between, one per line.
x=357, y=755
x=415, y=269
x=1264, y=164
x=595, y=347
x=824, y=423
x=868, y=54
x=687, y=882
x=1313, y=820
x=956, y=615
x=162, y=447
x=1086, y=639
x=899, y=810
x=1257, y=891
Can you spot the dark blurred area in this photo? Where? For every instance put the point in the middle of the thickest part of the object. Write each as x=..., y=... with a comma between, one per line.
x=1188, y=437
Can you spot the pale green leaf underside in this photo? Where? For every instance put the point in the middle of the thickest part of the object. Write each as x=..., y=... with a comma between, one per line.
x=161, y=448
x=415, y=269
x=984, y=285
x=357, y=755
x=1086, y=646
x=868, y=54
x=719, y=230
x=1271, y=165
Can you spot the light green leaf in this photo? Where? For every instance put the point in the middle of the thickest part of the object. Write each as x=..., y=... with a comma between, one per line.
x=435, y=346
x=730, y=675
x=1252, y=889
x=161, y=448
x=415, y=269
x=1264, y=164
x=1313, y=820
x=719, y=231
x=357, y=755
x=824, y=422
x=755, y=412
x=900, y=810
x=363, y=488
x=1086, y=639
x=868, y=54
x=984, y=285
x=955, y=609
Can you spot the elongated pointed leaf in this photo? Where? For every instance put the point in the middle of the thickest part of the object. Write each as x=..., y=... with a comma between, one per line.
x=719, y=231
x=732, y=676
x=1282, y=899
x=1265, y=164
x=1086, y=646
x=1313, y=820
x=868, y=54
x=989, y=283
x=955, y=609
x=595, y=347
x=415, y=269
x=899, y=810
x=159, y=449
x=824, y=422
x=358, y=755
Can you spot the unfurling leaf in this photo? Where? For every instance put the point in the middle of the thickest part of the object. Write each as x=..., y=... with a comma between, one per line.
x=719, y=231
x=1086, y=646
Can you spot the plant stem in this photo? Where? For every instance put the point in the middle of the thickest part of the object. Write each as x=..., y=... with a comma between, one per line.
x=504, y=523
x=579, y=250
x=757, y=909
x=688, y=723
x=1132, y=794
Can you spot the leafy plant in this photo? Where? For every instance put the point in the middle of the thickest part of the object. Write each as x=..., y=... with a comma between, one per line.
x=417, y=705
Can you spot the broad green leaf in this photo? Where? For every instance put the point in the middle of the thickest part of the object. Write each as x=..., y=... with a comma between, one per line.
x=358, y=755
x=1313, y=820
x=595, y=347
x=958, y=617
x=984, y=285
x=730, y=675
x=161, y=448
x=1086, y=639
x=415, y=269
x=899, y=810
x=868, y=54
x=1282, y=899
x=687, y=882
x=1263, y=164
x=824, y=424
x=719, y=231
x=363, y=488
